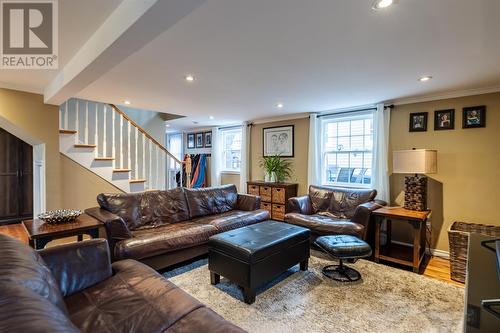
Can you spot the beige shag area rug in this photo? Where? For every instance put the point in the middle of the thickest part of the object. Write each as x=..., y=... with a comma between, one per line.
x=385, y=300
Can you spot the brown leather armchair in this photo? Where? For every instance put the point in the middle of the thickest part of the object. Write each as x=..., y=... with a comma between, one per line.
x=75, y=288
x=334, y=211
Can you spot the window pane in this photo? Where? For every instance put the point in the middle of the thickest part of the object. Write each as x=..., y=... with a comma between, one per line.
x=231, y=149
x=368, y=142
x=331, y=143
x=357, y=127
x=356, y=160
x=331, y=129
x=367, y=163
x=343, y=143
x=343, y=128
x=357, y=143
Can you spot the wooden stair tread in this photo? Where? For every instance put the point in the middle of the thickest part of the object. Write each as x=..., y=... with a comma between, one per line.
x=81, y=145
x=66, y=131
x=122, y=170
x=104, y=158
x=133, y=181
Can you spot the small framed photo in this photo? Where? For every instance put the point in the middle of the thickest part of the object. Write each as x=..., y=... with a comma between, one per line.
x=474, y=116
x=199, y=140
x=278, y=141
x=444, y=119
x=208, y=139
x=190, y=141
x=418, y=122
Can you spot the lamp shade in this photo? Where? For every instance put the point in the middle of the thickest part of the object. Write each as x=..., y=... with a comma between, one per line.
x=417, y=161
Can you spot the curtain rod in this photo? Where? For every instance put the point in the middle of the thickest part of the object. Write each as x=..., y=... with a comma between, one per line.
x=353, y=111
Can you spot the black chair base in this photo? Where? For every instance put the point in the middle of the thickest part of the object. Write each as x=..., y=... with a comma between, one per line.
x=341, y=273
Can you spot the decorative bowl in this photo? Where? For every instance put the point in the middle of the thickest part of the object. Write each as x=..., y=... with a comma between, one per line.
x=60, y=216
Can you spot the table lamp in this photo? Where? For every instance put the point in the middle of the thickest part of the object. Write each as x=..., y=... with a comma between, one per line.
x=418, y=162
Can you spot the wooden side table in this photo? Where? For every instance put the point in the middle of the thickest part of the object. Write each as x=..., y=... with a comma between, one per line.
x=40, y=233
x=400, y=254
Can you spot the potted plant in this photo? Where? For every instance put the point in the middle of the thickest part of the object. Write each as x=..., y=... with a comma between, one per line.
x=277, y=169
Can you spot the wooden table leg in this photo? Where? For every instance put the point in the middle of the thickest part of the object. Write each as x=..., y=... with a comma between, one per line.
x=79, y=237
x=378, y=224
x=389, y=231
x=417, y=232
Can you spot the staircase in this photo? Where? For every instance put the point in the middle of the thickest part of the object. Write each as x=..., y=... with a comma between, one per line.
x=103, y=139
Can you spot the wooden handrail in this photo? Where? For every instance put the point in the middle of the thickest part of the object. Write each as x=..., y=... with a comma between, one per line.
x=145, y=133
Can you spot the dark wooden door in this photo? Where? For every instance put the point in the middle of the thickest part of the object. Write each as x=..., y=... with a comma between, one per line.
x=16, y=178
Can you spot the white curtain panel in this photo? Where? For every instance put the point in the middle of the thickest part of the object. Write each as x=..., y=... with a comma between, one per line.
x=380, y=162
x=216, y=158
x=244, y=166
x=314, y=154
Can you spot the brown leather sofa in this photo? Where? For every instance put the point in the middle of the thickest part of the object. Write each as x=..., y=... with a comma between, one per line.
x=334, y=211
x=162, y=228
x=75, y=288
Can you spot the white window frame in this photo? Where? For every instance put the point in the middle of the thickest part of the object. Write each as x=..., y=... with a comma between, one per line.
x=223, y=133
x=348, y=116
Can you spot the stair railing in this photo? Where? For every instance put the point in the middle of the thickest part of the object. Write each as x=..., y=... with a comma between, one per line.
x=117, y=137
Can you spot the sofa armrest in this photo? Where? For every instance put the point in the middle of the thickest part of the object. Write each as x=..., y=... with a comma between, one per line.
x=77, y=266
x=248, y=202
x=301, y=205
x=363, y=213
x=115, y=226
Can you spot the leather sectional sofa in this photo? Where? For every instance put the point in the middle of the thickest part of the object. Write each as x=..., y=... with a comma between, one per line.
x=162, y=228
x=334, y=211
x=75, y=288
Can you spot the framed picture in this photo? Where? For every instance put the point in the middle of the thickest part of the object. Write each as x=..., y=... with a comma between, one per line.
x=199, y=140
x=418, y=122
x=474, y=116
x=444, y=119
x=190, y=140
x=208, y=139
x=278, y=141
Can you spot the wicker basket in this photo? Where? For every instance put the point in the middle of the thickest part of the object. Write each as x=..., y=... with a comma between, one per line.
x=458, y=236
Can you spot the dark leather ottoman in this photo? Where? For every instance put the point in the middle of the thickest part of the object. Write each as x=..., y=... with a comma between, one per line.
x=253, y=255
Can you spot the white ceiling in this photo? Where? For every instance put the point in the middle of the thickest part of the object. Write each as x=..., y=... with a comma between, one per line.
x=312, y=55
x=78, y=20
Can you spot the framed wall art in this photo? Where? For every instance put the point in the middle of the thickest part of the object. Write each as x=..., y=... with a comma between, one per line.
x=474, y=116
x=444, y=119
x=278, y=141
x=418, y=122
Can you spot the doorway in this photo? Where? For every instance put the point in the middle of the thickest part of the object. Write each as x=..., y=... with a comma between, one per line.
x=16, y=179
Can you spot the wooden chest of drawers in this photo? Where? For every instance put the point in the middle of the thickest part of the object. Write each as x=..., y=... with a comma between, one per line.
x=274, y=196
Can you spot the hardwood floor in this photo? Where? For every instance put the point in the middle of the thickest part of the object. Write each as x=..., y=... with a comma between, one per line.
x=437, y=268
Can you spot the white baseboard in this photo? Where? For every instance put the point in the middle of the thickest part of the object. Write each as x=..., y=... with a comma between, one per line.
x=433, y=252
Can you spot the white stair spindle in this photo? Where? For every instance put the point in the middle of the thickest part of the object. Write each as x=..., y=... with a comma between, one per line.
x=77, y=121
x=129, y=150
x=86, y=129
x=66, y=115
x=104, y=130
x=150, y=150
x=113, y=137
x=136, y=159
x=121, y=142
x=144, y=156
x=96, y=127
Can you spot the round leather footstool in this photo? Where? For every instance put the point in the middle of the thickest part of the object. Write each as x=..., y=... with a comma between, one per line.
x=341, y=247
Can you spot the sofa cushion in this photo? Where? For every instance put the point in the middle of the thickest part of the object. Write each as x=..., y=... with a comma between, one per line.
x=162, y=207
x=211, y=200
x=138, y=299
x=125, y=205
x=344, y=201
x=163, y=239
x=24, y=310
x=21, y=265
x=233, y=219
x=324, y=225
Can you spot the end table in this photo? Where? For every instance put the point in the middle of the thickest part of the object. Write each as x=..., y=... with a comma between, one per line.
x=40, y=233
x=405, y=255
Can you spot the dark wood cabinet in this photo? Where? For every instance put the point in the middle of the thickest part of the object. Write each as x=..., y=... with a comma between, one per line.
x=274, y=196
x=16, y=178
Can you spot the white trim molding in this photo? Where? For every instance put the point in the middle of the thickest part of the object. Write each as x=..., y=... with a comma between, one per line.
x=444, y=95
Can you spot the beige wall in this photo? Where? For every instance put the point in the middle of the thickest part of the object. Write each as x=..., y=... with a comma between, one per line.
x=30, y=115
x=68, y=185
x=467, y=185
x=301, y=135
x=81, y=186
x=230, y=178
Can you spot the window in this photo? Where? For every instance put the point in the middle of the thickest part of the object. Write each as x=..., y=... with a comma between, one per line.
x=175, y=147
x=231, y=149
x=347, y=149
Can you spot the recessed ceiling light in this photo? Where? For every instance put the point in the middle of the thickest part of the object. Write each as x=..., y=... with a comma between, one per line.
x=425, y=78
x=189, y=78
x=211, y=117
x=168, y=125
x=381, y=4
x=126, y=102
x=279, y=105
